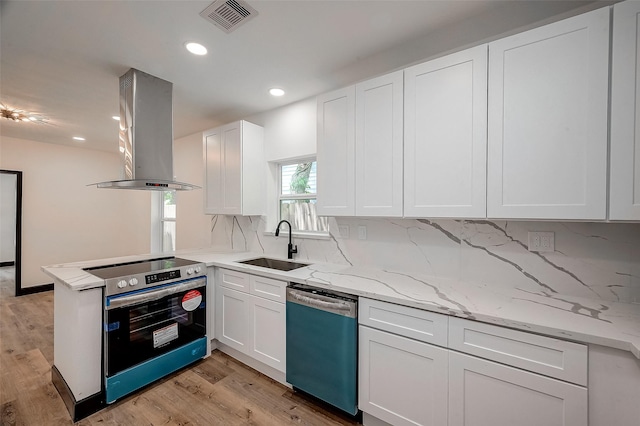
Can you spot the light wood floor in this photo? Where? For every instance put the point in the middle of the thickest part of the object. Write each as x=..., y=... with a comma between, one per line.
x=214, y=391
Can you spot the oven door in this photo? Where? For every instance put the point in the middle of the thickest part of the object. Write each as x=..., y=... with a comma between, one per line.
x=142, y=325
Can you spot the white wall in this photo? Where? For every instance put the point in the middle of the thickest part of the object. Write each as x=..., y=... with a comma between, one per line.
x=289, y=131
x=191, y=223
x=8, y=191
x=64, y=220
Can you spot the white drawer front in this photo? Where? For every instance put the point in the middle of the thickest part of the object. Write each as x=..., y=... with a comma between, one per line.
x=235, y=280
x=417, y=324
x=269, y=288
x=545, y=355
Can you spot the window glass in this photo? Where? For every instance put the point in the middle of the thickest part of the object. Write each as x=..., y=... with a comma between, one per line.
x=169, y=205
x=297, y=200
x=168, y=221
x=168, y=236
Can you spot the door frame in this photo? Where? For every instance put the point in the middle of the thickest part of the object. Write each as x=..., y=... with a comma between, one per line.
x=18, y=247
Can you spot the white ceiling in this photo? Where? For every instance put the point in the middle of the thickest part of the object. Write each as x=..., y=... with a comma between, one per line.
x=62, y=59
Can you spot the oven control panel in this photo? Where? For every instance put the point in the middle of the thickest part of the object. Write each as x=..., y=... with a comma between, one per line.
x=124, y=284
x=162, y=276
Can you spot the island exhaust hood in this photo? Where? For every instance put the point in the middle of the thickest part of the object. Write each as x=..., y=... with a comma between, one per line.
x=146, y=134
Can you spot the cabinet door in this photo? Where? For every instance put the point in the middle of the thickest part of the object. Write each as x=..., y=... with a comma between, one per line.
x=446, y=136
x=232, y=319
x=548, y=102
x=486, y=393
x=401, y=381
x=268, y=326
x=212, y=167
x=624, y=198
x=378, y=146
x=231, y=170
x=336, y=151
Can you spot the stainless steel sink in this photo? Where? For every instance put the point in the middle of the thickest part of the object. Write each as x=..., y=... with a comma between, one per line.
x=281, y=265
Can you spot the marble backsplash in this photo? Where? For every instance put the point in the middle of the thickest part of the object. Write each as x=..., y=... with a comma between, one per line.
x=594, y=260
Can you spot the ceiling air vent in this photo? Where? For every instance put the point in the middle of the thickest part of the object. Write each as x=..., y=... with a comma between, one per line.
x=228, y=14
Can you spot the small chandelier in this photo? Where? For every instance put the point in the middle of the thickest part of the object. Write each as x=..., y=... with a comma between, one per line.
x=20, y=115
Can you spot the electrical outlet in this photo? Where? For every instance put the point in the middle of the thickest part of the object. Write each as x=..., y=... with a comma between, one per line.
x=541, y=241
x=362, y=232
x=343, y=230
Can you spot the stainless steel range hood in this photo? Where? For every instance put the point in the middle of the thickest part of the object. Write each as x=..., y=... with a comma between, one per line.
x=146, y=134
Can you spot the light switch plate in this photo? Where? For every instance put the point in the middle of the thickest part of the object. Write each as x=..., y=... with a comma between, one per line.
x=541, y=241
x=343, y=230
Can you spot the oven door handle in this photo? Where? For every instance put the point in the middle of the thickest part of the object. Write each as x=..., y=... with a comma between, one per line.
x=149, y=296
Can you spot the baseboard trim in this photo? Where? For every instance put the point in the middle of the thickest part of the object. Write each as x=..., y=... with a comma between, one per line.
x=77, y=409
x=3, y=264
x=35, y=289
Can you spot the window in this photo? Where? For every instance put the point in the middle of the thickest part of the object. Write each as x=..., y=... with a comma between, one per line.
x=297, y=198
x=168, y=221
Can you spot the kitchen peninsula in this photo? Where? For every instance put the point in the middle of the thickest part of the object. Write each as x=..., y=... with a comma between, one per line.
x=611, y=330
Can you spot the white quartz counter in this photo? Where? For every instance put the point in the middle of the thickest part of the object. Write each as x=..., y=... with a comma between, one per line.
x=611, y=324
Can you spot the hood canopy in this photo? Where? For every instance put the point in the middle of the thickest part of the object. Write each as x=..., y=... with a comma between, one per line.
x=146, y=134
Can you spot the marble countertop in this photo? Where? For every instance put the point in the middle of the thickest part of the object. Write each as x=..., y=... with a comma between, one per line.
x=611, y=324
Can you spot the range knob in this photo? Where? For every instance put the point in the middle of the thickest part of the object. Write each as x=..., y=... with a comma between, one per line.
x=133, y=281
x=189, y=271
x=122, y=284
x=198, y=269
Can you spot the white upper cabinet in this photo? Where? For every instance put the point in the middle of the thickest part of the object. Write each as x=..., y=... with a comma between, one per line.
x=624, y=197
x=446, y=136
x=335, y=153
x=235, y=170
x=547, y=133
x=378, y=155
x=360, y=149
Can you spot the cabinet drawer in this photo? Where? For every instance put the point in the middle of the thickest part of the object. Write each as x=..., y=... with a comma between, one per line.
x=235, y=280
x=268, y=288
x=417, y=324
x=545, y=355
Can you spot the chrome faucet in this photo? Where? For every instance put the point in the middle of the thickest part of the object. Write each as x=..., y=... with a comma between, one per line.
x=291, y=249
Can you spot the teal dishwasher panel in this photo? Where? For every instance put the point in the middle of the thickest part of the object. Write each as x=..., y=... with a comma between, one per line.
x=322, y=355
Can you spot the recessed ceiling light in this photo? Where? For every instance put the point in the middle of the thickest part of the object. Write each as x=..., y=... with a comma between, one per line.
x=196, y=48
x=115, y=117
x=276, y=92
x=78, y=138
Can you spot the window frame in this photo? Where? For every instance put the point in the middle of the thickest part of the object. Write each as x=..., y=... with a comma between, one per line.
x=309, y=196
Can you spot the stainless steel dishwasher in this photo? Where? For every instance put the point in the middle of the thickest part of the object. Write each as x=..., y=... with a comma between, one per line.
x=322, y=345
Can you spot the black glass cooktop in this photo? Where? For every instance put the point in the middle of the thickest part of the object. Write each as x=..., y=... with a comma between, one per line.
x=139, y=267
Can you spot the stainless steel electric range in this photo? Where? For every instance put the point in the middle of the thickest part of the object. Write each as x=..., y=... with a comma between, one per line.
x=154, y=321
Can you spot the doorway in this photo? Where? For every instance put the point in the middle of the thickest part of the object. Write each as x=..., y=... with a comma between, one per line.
x=10, y=232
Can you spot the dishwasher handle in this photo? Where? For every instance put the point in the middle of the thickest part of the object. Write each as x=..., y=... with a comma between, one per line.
x=323, y=303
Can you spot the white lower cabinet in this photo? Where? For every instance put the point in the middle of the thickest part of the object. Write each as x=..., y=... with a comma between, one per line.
x=424, y=378
x=485, y=393
x=268, y=332
x=402, y=381
x=233, y=319
x=253, y=325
